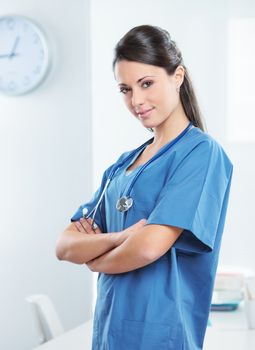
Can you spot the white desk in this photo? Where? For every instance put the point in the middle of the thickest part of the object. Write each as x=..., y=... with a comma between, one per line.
x=78, y=338
x=228, y=331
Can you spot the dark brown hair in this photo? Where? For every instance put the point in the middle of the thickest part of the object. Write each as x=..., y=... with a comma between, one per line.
x=153, y=45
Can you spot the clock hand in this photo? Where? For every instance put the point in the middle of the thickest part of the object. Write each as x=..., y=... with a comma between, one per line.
x=12, y=54
x=8, y=55
x=5, y=56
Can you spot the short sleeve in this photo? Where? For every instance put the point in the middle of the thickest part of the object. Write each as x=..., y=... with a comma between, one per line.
x=195, y=196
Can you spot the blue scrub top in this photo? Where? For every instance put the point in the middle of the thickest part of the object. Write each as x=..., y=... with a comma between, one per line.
x=166, y=304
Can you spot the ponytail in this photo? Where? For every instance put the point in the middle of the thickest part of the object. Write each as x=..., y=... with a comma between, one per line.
x=189, y=102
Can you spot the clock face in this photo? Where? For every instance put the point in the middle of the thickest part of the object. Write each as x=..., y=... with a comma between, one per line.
x=24, y=56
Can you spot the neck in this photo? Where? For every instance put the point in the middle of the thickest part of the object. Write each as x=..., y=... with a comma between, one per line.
x=170, y=129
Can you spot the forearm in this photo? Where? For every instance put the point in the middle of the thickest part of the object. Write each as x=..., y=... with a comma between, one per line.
x=128, y=256
x=79, y=248
x=138, y=250
x=116, y=261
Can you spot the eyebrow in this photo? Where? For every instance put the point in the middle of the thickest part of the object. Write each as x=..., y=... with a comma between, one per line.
x=138, y=81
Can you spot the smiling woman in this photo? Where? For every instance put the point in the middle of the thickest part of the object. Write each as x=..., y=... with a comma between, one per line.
x=160, y=210
x=146, y=93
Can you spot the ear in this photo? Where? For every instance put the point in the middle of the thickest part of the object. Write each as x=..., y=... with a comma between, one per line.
x=179, y=76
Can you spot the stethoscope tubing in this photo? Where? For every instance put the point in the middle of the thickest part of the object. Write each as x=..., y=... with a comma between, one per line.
x=156, y=156
x=115, y=169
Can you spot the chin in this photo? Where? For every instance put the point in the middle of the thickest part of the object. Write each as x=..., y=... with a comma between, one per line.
x=149, y=125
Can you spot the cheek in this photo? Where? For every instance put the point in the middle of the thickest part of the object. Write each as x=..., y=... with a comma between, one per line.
x=169, y=97
x=162, y=94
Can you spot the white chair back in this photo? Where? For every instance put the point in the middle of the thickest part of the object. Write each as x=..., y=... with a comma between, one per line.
x=47, y=321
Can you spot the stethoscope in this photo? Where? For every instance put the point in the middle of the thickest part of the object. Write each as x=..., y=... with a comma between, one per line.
x=124, y=203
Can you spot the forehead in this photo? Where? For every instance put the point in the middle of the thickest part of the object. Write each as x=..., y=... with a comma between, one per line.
x=127, y=72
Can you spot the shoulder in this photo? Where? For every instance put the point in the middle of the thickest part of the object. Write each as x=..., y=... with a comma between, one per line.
x=199, y=141
x=199, y=151
x=198, y=138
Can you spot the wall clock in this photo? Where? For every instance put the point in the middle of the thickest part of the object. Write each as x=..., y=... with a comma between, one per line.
x=24, y=55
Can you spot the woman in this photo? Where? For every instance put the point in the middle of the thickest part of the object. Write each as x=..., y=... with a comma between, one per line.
x=162, y=205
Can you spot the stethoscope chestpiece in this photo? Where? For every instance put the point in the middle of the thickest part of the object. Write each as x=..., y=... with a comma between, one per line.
x=124, y=204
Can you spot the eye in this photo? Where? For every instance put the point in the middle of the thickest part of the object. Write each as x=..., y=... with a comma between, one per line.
x=124, y=90
x=147, y=84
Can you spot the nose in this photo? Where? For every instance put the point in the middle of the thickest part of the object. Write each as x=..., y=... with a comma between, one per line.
x=137, y=98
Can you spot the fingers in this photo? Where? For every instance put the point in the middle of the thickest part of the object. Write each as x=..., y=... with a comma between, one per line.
x=87, y=225
x=72, y=227
x=84, y=225
x=79, y=226
x=95, y=229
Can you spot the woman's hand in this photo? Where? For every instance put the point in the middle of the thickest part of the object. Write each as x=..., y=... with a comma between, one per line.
x=120, y=237
x=144, y=244
x=85, y=226
x=79, y=243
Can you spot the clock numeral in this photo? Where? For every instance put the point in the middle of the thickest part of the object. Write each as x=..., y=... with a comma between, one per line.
x=10, y=23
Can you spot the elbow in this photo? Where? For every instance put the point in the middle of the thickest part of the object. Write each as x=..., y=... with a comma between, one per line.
x=68, y=252
x=150, y=254
x=61, y=253
x=64, y=249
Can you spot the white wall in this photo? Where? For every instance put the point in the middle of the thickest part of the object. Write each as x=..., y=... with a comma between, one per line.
x=200, y=28
x=45, y=174
x=239, y=240
x=46, y=142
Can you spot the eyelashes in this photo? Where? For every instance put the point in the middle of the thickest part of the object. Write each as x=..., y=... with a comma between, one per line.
x=124, y=90
x=145, y=84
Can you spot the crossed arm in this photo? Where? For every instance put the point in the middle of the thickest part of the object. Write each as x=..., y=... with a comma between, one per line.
x=118, y=252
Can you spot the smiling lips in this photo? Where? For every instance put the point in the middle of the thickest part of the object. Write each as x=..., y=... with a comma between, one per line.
x=144, y=113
